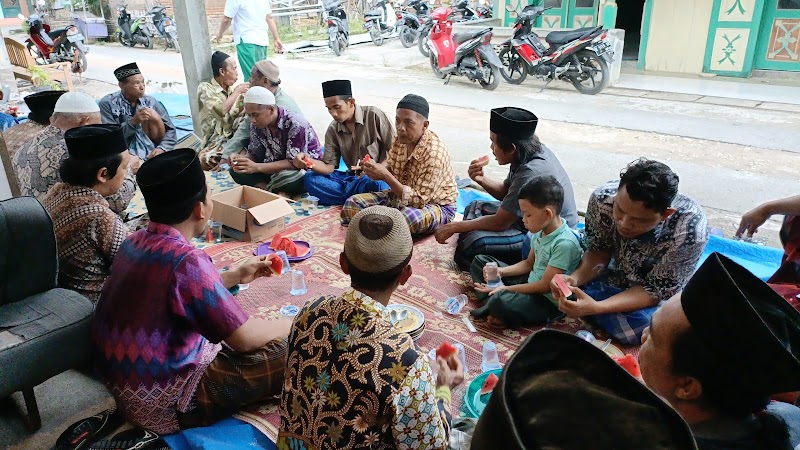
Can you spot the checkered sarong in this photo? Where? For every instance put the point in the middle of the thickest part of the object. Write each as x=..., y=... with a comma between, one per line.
x=627, y=327
x=423, y=220
x=234, y=380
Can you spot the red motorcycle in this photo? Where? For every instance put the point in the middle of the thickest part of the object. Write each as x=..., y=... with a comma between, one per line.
x=576, y=56
x=469, y=53
x=62, y=45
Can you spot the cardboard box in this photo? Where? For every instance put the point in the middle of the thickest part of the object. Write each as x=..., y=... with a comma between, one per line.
x=250, y=214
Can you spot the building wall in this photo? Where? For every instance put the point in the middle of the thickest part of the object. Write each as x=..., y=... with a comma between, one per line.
x=678, y=35
x=214, y=10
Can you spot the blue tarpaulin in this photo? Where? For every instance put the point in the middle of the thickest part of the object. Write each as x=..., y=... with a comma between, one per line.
x=228, y=434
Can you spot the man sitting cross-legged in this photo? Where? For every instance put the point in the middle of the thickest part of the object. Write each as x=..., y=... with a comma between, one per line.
x=356, y=131
x=352, y=380
x=643, y=242
x=277, y=136
x=148, y=128
x=418, y=171
x=165, y=309
x=87, y=231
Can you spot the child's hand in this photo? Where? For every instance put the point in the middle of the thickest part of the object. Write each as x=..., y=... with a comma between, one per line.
x=498, y=289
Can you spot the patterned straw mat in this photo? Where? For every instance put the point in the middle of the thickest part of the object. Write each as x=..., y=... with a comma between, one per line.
x=435, y=279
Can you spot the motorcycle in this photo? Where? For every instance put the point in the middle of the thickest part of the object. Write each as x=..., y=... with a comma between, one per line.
x=133, y=32
x=423, y=42
x=380, y=21
x=474, y=56
x=462, y=12
x=575, y=56
x=338, y=28
x=166, y=27
x=51, y=46
x=409, y=25
x=484, y=11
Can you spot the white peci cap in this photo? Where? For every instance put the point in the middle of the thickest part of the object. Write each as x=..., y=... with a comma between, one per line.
x=260, y=96
x=76, y=103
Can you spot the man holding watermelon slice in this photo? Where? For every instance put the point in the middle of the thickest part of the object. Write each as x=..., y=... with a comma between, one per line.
x=356, y=132
x=418, y=171
x=352, y=379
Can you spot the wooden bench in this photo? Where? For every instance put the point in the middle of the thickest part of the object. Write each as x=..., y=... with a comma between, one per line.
x=22, y=61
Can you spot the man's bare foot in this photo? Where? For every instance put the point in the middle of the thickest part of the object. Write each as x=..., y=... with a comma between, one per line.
x=494, y=322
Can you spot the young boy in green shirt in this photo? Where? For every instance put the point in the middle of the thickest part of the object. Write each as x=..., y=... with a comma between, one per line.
x=526, y=300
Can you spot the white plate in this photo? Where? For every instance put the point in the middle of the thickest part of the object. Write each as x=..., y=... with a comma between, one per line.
x=413, y=322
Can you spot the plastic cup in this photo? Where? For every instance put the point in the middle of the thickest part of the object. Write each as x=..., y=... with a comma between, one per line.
x=461, y=355
x=312, y=201
x=216, y=231
x=298, y=283
x=434, y=365
x=490, y=360
x=585, y=335
x=491, y=274
x=454, y=305
x=285, y=259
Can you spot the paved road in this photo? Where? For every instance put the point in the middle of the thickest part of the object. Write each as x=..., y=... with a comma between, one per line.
x=729, y=158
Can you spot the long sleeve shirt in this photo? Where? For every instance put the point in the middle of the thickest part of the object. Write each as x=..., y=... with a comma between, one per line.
x=115, y=109
x=353, y=381
x=424, y=171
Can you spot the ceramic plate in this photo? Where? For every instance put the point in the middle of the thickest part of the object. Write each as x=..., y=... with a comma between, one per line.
x=411, y=323
x=264, y=249
x=473, y=403
x=611, y=350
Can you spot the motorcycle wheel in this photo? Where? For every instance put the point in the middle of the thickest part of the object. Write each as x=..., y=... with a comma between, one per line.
x=337, y=47
x=376, y=36
x=123, y=41
x=76, y=52
x=422, y=44
x=37, y=56
x=435, y=67
x=494, y=78
x=148, y=41
x=175, y=44
x=514, y=68
x=407, y=37
x=591, y=64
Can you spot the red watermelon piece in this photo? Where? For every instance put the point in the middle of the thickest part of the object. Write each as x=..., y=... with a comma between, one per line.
x=483, y=160
x=277, y=263
x=629, y=363
x=446, y=350
x=289, y=246
x=308, y=162
x=489, y=384
x=366, y=159
x=275, y=239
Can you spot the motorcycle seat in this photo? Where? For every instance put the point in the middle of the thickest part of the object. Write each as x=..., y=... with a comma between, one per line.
x=55, y=33
x=464, y=36
x=562, y=37
x=373, y=13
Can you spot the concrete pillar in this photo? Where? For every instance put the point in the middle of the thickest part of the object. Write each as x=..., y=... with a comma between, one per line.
x=195, y=42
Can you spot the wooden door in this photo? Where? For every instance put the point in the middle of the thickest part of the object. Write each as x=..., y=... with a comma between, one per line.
x=778, y=45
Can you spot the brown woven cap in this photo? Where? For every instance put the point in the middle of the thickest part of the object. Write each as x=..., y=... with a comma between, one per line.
x=378, y=240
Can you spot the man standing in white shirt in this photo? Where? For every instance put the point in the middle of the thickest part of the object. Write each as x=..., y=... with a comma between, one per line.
x=249, y=35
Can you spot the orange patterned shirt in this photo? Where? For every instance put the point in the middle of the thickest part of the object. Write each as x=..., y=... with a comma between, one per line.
x=424, y=171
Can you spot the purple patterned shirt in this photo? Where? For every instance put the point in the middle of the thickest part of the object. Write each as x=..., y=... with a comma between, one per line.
x=161, y=315
x=295, y=135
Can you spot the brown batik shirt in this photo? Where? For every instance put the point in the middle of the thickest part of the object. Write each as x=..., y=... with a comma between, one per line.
x=88, y=234
x=424, y=171
x=373, y=134
x=21, y=134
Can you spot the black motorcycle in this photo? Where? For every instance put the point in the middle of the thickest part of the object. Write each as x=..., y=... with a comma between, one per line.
x=132, y=32
x=409, y=24
x=462, y=12
x=423, y=42
x=338, y=28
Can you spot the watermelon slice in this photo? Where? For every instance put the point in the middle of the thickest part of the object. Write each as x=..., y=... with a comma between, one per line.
x=366, y=159
x=629, y=363
x=564, y=288
x=489, y=384
x=277, y=264
x=446, y=350
x=308, y=162
x=275, y=239
x=483, y=160
x=289, y=246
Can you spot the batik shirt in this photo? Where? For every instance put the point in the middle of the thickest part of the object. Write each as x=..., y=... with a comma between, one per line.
x=19, y=135
x=241, y=138
x=662, y=260
x=215, y=123
x=295, y=135
x=36, y=166
x=116, y=110
x=352, y=381
x=88, y=235
x=424, y=171
x=161, y=315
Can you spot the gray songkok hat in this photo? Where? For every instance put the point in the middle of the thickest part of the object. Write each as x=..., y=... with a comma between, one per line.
x=415, y=103
x=378, y=240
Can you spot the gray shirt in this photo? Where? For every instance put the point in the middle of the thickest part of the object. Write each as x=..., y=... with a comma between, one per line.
x=543, y=163
x=241, y=138
x=115, y=109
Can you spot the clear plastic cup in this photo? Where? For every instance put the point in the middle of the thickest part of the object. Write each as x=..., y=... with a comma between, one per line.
x=434, y=365
x=216, y=231
x=298, y=283
x=312, y=201
x=454, y=305
x=490, y=359
x=585, y=335
x=491, y=274
x=285, y=259
x=462, y=355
